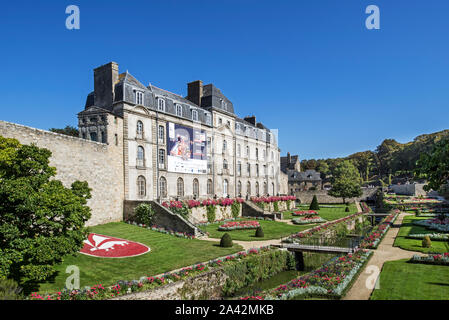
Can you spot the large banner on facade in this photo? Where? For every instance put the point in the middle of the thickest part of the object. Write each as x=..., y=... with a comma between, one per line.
x=186, y=149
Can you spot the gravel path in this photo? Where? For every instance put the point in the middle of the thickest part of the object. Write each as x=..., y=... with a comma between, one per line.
x=363, y=286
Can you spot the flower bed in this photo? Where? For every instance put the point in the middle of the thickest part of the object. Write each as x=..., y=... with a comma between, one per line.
x=239, y=225
x=163, y=230
x=434, y=224
x=332, y=280
x=320, y=228
x=305, y=213
x=99, y=292
x=376, y=235
x=440, y=259
x=308, y=220
x=432, y=236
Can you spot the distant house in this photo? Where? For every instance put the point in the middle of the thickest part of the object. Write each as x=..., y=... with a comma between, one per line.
x=297, y=180
x=303, y=181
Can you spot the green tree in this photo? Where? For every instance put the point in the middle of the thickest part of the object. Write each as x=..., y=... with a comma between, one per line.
x=346, y=181
x=68, y=130
x=435, y=166
x=314, y=204
x=41, y=221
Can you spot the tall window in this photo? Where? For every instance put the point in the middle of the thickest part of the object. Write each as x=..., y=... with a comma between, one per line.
x=140, y=156
x=161, y=158
x=257, y=188
x=225, y=164
x=161, y=104
x=225, y=188
x=272, y=171
x=210, y=189
x=194, y=115
x=248, y=188
x=208, y=119
x=272, y=189
x=141, y=186
x=265, y=188
x=257, y=154
x=139, y=98
x=93, y=136
x=239, y=188
x=209, y=144
x=161, y=134
x=248, y=169
x=180, y=187
x=225, y=145
x=257, y=170
x=239, y=168
x=163, y=187
x=264, y=154
x=247, y=151
x=179, y=110
x=103, y=137
x=272, y=155
x=238, y=150
x=196, y=187
x=209, y=166
x=139, y=129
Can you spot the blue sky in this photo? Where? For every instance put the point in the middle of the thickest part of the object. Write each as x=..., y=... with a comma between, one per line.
x=308, y=68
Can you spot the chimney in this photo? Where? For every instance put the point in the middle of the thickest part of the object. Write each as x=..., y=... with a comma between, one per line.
x=251, y=120
x=195, y=91
x=105, y=78
x=289, y=158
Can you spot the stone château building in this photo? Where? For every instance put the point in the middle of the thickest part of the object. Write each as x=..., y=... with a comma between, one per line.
x=178, y=147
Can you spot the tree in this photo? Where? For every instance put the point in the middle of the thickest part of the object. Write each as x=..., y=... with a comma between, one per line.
x=346, y=181
x=435, y=166
x=314, y=204
x=68, y=130
x=41, y=221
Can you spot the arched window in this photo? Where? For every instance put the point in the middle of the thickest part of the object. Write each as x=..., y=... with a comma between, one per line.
x=225, y=188
x=248, y=188
x=141, y=186
x=210, y=189
x=161, y=134
x=248, y=169
x=161, y=158
x=196, y=187
x=139, y=129
x=163, y=187
x=257, y=188
x=180, y=187
x=140, y=156
x=239, y=188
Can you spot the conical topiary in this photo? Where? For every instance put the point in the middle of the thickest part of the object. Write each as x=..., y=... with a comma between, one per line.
x=426, y=243
x=314, y=205
x=347, y=209
x=226, y=241
x=259, y=232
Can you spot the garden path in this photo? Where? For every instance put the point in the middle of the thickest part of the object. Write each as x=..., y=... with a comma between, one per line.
x=384, y=252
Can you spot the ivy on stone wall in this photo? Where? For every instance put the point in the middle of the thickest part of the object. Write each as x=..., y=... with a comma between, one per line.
x=276, y=206
x=211, y=213
x=249, y=271
x=235, y=209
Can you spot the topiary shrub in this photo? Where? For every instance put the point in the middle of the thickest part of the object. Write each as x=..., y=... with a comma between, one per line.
x=314, y=205
x=347, y=209
x=259, y=232
x=144, y=213
x=9, y=290
x=226, y=241
x=417, y=212
x=426, y=243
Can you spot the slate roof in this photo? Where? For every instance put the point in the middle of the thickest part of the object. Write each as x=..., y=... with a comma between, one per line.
x=308, y=175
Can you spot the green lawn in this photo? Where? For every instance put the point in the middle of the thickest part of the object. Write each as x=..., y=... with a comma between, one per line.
x=327, y=213
x=271, y=229
x=167, y=253
x=416, y=244
x=400, y=280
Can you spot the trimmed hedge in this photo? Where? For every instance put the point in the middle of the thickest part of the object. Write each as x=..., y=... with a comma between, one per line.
x=226, y=241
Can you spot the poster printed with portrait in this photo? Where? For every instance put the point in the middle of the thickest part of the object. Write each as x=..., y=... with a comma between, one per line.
x=186, y=149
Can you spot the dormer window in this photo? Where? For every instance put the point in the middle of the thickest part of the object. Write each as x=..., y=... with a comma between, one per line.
x=139, y=98
x=179, y=110
x=161, y=104
x=194, y=115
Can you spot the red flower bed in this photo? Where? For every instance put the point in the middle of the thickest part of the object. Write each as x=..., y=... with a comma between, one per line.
x=305, y=213
x=239, y=225
x=109, y=247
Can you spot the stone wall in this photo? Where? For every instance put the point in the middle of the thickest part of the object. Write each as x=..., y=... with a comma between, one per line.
x=323, y=197
x=199, y=214
x=412, y=189
x=206, y=286
x=162, y=218
x=101, y=165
